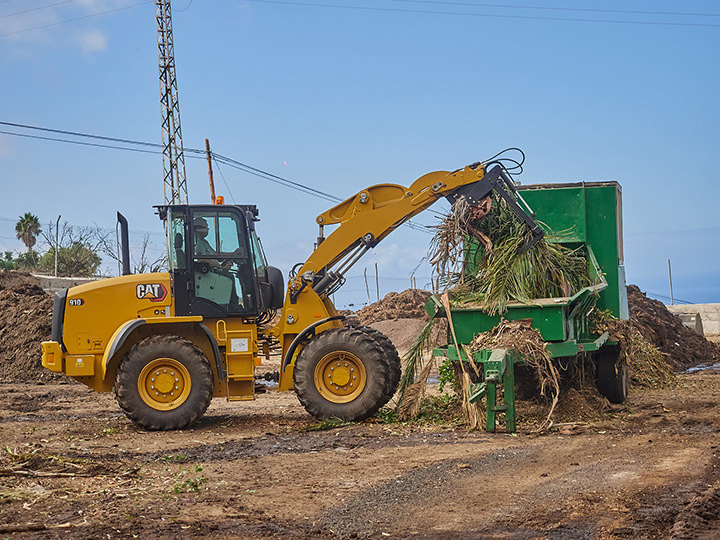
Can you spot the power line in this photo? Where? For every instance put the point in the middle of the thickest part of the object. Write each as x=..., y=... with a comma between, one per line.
x=276, y=179
x=76, y=134
x=73, y=20
x=542, y=8
x=198, y=154
x=435, y=12
x=35, y=9
x=294, y=185
x=485, y=15
x=657, y=295
x=54, y=139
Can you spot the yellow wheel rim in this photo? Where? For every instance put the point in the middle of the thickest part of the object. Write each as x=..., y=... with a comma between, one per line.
x=340, y=377
x=164, y=384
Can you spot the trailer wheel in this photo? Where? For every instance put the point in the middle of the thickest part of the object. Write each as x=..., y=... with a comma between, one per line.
x=612, y=375
x=393, y=360
x=163, y=383
x=341, y=373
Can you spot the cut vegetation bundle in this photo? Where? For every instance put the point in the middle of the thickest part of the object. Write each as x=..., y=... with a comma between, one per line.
x=494, y=271
x=477, y=256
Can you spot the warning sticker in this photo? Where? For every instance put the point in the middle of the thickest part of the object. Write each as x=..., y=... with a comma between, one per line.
x=239, y=345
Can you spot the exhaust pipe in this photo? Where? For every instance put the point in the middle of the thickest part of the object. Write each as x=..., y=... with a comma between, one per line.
x=124, y=244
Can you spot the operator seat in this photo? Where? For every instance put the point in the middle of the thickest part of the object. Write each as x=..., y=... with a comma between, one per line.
x=179, y=251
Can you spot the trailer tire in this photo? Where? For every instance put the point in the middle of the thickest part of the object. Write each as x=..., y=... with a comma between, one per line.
x=163, y=383
x=393, y=360
x=612, y=375
x=341, y=373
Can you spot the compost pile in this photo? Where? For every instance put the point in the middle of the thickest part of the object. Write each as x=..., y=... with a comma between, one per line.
x=25, y=321
x=408, y=304
x=681, y=346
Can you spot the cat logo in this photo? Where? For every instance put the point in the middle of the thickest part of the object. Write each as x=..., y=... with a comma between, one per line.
x=155, y=292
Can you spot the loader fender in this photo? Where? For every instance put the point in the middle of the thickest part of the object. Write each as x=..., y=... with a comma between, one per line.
x=117, y=340
x=305, y=334
x=123, y=332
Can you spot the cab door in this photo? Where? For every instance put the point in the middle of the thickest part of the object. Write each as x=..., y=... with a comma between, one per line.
x=220, y=273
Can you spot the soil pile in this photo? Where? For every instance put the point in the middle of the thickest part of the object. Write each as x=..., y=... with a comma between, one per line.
x=409, y=304
x=25, y=321
x=681, y=346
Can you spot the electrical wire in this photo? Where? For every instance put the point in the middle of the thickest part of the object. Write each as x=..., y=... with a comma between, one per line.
x=294, y=185
x=35, y=9
x=544, y=8
x=192, y=153
x=87, y=135
x=54, y=139
x=73, y=20
x=183, y=9
x=435, y=12
x=217, y=166
x=274, y=178
x=674, y=299
x=485, y=15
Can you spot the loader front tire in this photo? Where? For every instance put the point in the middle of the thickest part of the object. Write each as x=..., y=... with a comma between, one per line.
x=342, y=373
x=393, y=360
x=164, y=383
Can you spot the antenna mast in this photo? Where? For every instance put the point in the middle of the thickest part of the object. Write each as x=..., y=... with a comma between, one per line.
x=175, y=186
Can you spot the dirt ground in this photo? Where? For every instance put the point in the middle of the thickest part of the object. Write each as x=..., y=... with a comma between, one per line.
x=72, y=466
x=71, y=462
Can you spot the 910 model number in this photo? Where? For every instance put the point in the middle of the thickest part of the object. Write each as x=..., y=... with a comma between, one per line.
x=76, y=302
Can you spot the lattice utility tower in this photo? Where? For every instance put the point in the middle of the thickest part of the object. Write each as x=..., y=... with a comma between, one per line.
x=175, y=186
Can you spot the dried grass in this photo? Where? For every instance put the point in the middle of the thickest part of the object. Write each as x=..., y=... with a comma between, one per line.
x=409, y=406
x=490, y=271
x=648, y=368
x=520, y=337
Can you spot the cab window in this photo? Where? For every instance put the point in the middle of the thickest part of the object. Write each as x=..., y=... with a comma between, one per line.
x=222, y=271
x=176, y=240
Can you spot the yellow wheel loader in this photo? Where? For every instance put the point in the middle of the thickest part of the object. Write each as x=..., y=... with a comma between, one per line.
x=167, y=343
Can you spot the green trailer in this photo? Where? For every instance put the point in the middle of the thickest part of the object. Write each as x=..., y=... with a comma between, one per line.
x=590, y=216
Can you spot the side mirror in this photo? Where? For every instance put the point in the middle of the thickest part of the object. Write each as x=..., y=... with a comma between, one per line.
x=272, y=291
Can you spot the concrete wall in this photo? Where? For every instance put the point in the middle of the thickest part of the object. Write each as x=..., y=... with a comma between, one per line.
x=709, y=313
x=51, y=284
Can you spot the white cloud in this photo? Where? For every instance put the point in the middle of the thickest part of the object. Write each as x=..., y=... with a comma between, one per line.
x=93, y=41
x=41, y=24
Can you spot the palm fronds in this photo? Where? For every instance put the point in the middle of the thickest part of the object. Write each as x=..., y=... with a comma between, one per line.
x=527, y=342
x=492, y=273
x=409, y=405
x=415, y=358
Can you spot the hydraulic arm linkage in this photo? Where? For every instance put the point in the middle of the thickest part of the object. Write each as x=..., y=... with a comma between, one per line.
x=364, y=220
x=375, y=212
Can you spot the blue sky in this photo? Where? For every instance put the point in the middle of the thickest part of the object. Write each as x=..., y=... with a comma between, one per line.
x=343, y=95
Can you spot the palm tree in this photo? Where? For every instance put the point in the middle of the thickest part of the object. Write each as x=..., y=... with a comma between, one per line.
x=27, y=230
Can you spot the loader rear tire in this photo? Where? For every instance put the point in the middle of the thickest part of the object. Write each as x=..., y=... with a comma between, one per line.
x=393, y=360
x=612, y=375
x=342, y=373
x=164, y=383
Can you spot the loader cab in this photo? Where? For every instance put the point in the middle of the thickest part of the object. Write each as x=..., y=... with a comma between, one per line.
x=216, y=262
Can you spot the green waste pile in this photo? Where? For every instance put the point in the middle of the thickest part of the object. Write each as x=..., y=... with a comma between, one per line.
x=496, y=272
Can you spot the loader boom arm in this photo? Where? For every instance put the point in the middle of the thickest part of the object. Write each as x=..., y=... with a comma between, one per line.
x=369, y=216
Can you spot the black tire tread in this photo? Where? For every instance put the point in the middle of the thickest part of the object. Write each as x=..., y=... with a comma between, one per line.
x=138, y=356
x=393, y=360
x=376, y=367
